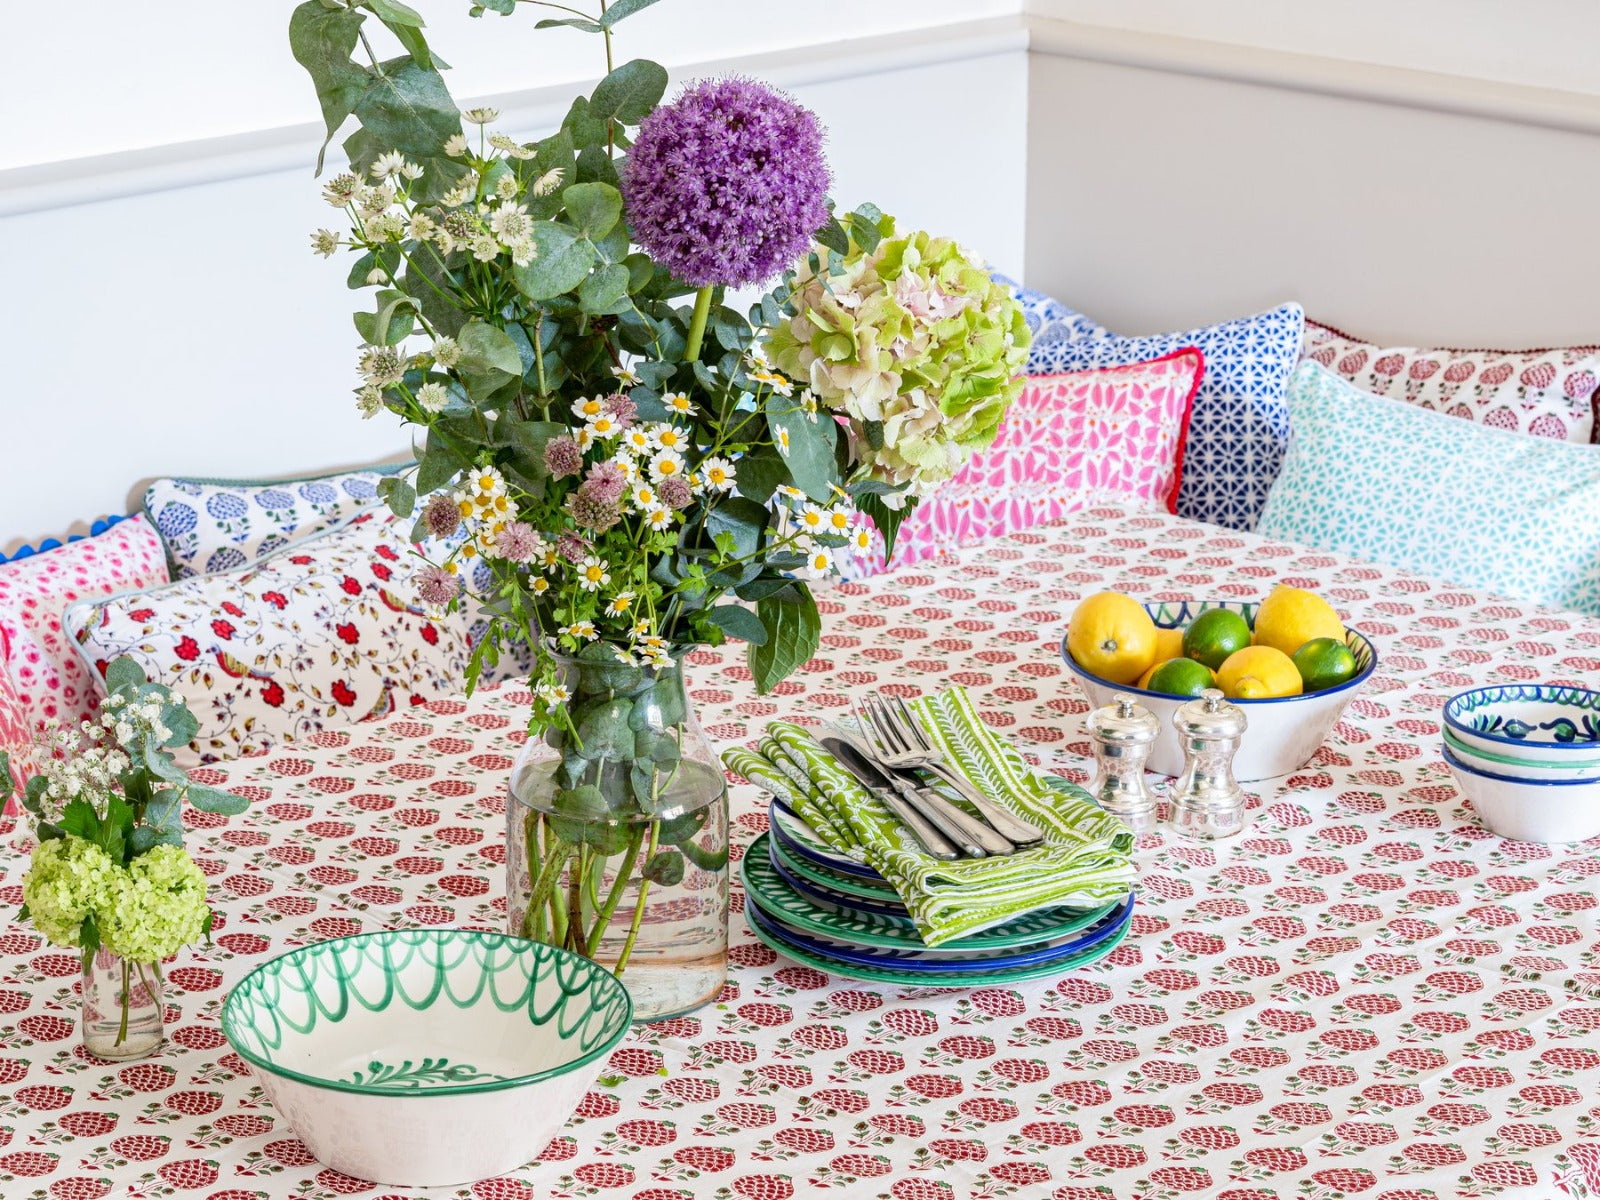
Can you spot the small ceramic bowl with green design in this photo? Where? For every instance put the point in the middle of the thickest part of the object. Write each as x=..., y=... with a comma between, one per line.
x=426, y=1057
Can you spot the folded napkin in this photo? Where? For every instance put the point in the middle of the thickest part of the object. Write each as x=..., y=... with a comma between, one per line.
x=1083, y=861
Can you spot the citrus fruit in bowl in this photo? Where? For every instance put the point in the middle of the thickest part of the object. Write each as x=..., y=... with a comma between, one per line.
x=1287, y=719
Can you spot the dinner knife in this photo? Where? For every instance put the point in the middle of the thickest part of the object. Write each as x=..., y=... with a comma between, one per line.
x=934, y=842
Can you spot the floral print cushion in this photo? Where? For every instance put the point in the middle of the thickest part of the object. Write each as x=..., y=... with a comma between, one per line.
x=1086, y=437
x=16, y=737
x=216, y=524
x=1543, y=393
x=51, y=683
x=325, y=633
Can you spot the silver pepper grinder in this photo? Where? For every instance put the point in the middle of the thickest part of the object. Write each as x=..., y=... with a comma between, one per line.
x=1207, y=802
x=1123, y=733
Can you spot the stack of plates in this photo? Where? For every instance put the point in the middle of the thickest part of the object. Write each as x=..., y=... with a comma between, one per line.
x=822, y=908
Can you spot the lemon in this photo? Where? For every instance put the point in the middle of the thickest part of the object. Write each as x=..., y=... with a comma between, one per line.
x=1258, y=673
x=1180, y=677
x=1169, y=644
x=1290, y=617
x=1215, y=634
x=1324, y=663
x=1112, y=637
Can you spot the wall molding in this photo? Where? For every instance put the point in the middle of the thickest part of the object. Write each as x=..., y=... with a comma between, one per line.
x=531, y=111
x=527, y=112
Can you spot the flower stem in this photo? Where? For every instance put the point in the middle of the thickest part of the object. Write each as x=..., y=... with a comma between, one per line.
x=638, y=908
x=618, y=886
x=697, y=326
x=560, y=851
x=122, y=1026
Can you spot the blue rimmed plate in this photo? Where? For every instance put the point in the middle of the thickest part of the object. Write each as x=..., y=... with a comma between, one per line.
x=801, y=842
x=816, y=885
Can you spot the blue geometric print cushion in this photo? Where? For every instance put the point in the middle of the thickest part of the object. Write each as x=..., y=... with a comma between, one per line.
x=210, y=525
x=1239, y=427
x=1387, y=481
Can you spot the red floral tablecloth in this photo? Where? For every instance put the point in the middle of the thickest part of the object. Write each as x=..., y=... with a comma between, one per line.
x=1365, y=995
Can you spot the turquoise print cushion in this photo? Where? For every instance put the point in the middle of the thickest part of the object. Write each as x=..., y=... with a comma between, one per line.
x=1238, y=428
x=210, y=525
x=1397, y=484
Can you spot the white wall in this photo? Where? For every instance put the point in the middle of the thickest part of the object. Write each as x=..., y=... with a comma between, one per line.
x=189, y=330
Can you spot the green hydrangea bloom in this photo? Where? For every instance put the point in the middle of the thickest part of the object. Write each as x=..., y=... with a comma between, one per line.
x=913, y=337
x=161, y=910
x=68, y=879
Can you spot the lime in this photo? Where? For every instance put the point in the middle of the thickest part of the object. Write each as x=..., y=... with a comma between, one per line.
x=1215, y=634
x=1324, y=662
x=1181, y=677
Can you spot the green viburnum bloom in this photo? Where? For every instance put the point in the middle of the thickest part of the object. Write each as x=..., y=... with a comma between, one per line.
x=914, y=344
x=69, y=879
x=161, y=909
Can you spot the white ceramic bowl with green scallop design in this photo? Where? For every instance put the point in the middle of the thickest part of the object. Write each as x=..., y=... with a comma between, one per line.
x=425, y=1057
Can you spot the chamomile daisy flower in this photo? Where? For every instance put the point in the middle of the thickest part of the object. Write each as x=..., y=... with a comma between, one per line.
x=583, y=630
x=781, y=384
x=668, y=437
x=679, y=403
x=783, y=442
x=812, y=519
x=641, y=629
x=666, y=464
x=637, y=440
x=593, y=573
x=651, y=641
x=619, y=604
x=540, y=585
x=717, y=474
x=792, y=493
x=486, y=481
x=643, y=496
x=656, y=658
x=626, y=376
x=819, y=561
x=861, y=540
x=658, y=518
x=624, y=656
x=602, y=427
x=552, y=693
x=587, y=408
x=839, y=521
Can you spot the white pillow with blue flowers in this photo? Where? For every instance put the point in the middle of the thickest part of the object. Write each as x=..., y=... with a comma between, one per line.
x=210, y=525
x=1387, y=481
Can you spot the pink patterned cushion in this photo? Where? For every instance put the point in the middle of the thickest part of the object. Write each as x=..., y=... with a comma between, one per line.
x=1085, y=437
x=324, y=633
x=51, y=681
x=16, y=739
x=1543, y=393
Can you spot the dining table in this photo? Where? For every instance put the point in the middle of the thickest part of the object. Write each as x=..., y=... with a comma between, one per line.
x=1365, y=994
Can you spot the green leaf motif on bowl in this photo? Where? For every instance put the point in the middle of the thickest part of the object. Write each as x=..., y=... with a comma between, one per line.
x=408, y=1076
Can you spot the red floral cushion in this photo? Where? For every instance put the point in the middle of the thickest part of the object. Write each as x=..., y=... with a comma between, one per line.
x=1113, y=434
x=1542, y=393
x=327, y=632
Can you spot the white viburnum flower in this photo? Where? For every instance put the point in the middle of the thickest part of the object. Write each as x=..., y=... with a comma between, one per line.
x=324, y=242
x=480, y=116
x=433, y=397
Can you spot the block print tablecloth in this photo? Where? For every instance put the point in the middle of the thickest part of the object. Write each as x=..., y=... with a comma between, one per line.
x=1365, y=995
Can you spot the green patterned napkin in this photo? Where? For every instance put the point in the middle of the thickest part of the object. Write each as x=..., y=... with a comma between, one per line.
x=1082, y=862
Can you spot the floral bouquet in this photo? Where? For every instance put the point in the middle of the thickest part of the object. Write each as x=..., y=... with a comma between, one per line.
x=109, y=876
x=614, y=464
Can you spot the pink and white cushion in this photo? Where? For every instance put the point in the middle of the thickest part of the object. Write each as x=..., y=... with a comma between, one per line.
x=327, y=632
x=1542, y=393
x=51, y=682
x=1113, y=434
x=16, y=737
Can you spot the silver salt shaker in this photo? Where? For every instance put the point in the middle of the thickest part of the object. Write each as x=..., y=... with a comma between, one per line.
x=1207, y=802
x=1123, y=733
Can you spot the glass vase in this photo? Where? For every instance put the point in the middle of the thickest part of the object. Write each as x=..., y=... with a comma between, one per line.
x=618, y=835
x=123, y=1011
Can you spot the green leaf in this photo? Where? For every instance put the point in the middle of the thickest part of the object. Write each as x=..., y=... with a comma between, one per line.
x=665, y=868
x=322, y=41
x=414, y=43
x=738, y=622
x=88, y=940
x=583, y=126
x=594, y=208
x=182, y=725
x=762, y=587
x=885, y=518
x=504, y=7
x=596, y=166
x=115, y=828
x=833, y=236
x=124, y=674
x=486, y=350
x=214, y=800
x=556, y=22
x=622, y=10
x=810, y=451
x=426, y=276
x=400, y=496
x=761, y=473
x=400, y=14
x=630, y=92
x=79, y=819
x=393, y=321
x=563, y=261
x=409, y=109
x=794, y=631
x=386, y=256
x=7, y=787
x=604, y=290
x=441, y=462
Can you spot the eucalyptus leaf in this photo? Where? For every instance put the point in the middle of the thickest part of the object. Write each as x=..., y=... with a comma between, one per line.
x=214, y=800
x=630, y=92
x=604, y=290
x=621, y=10
x=408, y=108
x=485, y=349
x=794, y=631
x=665, y=868
x=441, y=462
x=594, y=208
x=323, y=41
x=562, y=263
x=124, y=674
x=558, y=22
x=595, y=165
x=399, y=495
x=392, y=323
x=760, y=474
x=400, y=14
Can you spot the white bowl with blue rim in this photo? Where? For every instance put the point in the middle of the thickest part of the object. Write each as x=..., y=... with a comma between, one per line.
x=1536, y=724
x=1495, y=763
x=1547, y=810
x=1281, y=733
x=426, y=1057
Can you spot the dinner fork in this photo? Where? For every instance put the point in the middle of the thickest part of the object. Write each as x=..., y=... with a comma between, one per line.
x=908, y=748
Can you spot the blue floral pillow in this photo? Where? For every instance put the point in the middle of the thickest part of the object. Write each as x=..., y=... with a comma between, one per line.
x=1049, y=319
x=210, y=525
x=1239, y=427
x=1484, y=507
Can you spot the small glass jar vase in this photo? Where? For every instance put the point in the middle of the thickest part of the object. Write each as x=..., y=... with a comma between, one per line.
x=123, y=1013
x=617, y=836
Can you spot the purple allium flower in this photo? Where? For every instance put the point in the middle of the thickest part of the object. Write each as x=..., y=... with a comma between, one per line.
x=562, y=457
x=441, y=515
x=622, y=410
x=517, y=542
x=727, y=183
x=674, y=492
x=604, y=484
x=437, y=586
x=591, y=513
x=571, y=547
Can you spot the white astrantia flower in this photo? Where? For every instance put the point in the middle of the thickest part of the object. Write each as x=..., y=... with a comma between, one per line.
x=523, y=251
x=386, y=227
x=341, y=189
x=548, y=182
x=511, y=223
x=381, y=365
x=446, y=353
x=485, y=248
x=377, y=277
x=458, y=195
x=369, y=400
x=411, y=172
x=370, y=201
x=480, y=116
x=421, y=227
x=506, y=187
x=502, y=141
x=455, y=146
x=387, y=164
x=593, y=573
x=433, y=397
x=666, y=464
x=324, y=242
x=717, y=474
